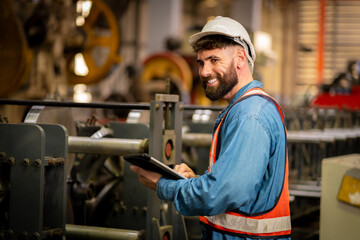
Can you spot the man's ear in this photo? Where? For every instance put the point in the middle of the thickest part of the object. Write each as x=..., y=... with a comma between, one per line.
x=241, y=59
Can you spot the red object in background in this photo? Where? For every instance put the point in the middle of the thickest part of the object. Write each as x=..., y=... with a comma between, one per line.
x=349, y=101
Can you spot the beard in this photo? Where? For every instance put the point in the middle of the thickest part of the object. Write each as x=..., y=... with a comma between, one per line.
x=226, y=84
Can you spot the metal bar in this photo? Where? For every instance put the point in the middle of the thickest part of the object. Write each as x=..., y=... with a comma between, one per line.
x=110, y=105
x=117, y=146
x=204, y=139
x=308, y=137
x=195, y=107
x=155, y=150
x=75, y=104
x=305, y=187
x=196, y=139
x=304, y=193
x=107, y=146
x=99, y=233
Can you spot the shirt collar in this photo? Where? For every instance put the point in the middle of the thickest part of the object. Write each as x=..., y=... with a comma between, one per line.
x=244, y=89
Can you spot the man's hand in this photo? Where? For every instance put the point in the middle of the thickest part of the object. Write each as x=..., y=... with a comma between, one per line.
x=147, y=178
x=185, y=170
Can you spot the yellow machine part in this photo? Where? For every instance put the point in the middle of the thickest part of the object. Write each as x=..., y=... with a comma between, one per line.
x=15, y=56
x=97, y=41
x=350, y=189
x=167, y=64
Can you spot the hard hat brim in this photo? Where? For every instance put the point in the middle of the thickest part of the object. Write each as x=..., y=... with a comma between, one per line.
x=194, y=38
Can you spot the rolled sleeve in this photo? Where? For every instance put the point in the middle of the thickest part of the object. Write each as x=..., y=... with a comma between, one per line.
x=165, y=189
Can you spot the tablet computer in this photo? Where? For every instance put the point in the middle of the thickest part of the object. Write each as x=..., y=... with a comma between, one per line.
x=148, y=162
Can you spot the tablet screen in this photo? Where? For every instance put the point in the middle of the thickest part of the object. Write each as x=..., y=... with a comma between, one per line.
x=147, y=162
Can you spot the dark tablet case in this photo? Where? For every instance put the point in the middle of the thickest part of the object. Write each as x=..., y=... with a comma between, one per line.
x=147, y=162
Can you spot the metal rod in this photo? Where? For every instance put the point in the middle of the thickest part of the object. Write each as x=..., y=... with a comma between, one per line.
x=304, y=193
x=197, y=107
x=121, y=147
x=75, y=104
x=204, y=139
x=196, y=139
x=107, y=146
x=110, y=105
x=99, y=233
x=308, y=137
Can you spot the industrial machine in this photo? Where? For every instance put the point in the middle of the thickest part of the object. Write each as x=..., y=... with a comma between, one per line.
x=340, y=190
x=343, y=92
x=39, y=196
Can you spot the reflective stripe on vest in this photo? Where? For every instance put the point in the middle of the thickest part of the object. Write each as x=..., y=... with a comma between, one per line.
x=276, y=222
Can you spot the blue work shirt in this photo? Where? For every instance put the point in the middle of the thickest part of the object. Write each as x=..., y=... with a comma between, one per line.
x=249, y=172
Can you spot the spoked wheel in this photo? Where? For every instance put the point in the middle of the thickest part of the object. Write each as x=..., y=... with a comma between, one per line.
x=99, y=50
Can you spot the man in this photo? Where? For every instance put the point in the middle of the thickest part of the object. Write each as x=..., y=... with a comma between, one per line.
x=244, y=193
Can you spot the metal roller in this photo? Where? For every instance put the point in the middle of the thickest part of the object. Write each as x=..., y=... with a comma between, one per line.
x=197, y=139
x=107, y=146
x=121, y=147
x=99, y=233
x=204, y=139
x=116, y=146
x=308, y=137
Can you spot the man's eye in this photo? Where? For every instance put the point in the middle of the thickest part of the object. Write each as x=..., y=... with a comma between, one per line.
x=200, y=64
x=214, y=60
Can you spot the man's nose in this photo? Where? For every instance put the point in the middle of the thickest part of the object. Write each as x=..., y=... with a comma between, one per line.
x=205, y=70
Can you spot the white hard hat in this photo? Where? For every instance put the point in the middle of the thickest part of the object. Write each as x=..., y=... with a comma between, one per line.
x=230, y=28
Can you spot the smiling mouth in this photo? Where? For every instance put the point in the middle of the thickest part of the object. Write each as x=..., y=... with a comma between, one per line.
x=209, y=82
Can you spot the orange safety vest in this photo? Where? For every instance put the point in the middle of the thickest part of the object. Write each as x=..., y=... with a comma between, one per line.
x=273, y=223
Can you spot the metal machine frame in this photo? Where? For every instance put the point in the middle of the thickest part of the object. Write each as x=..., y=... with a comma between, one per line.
x=36, y=157
x=38, y=153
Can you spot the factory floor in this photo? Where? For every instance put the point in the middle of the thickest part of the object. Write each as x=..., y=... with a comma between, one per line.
x=306, y=228
x=305, y=218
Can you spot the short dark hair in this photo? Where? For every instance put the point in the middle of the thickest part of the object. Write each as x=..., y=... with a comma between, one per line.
x=211, y=42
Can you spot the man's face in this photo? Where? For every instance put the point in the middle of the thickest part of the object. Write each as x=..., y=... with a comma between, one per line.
x=217, y=72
